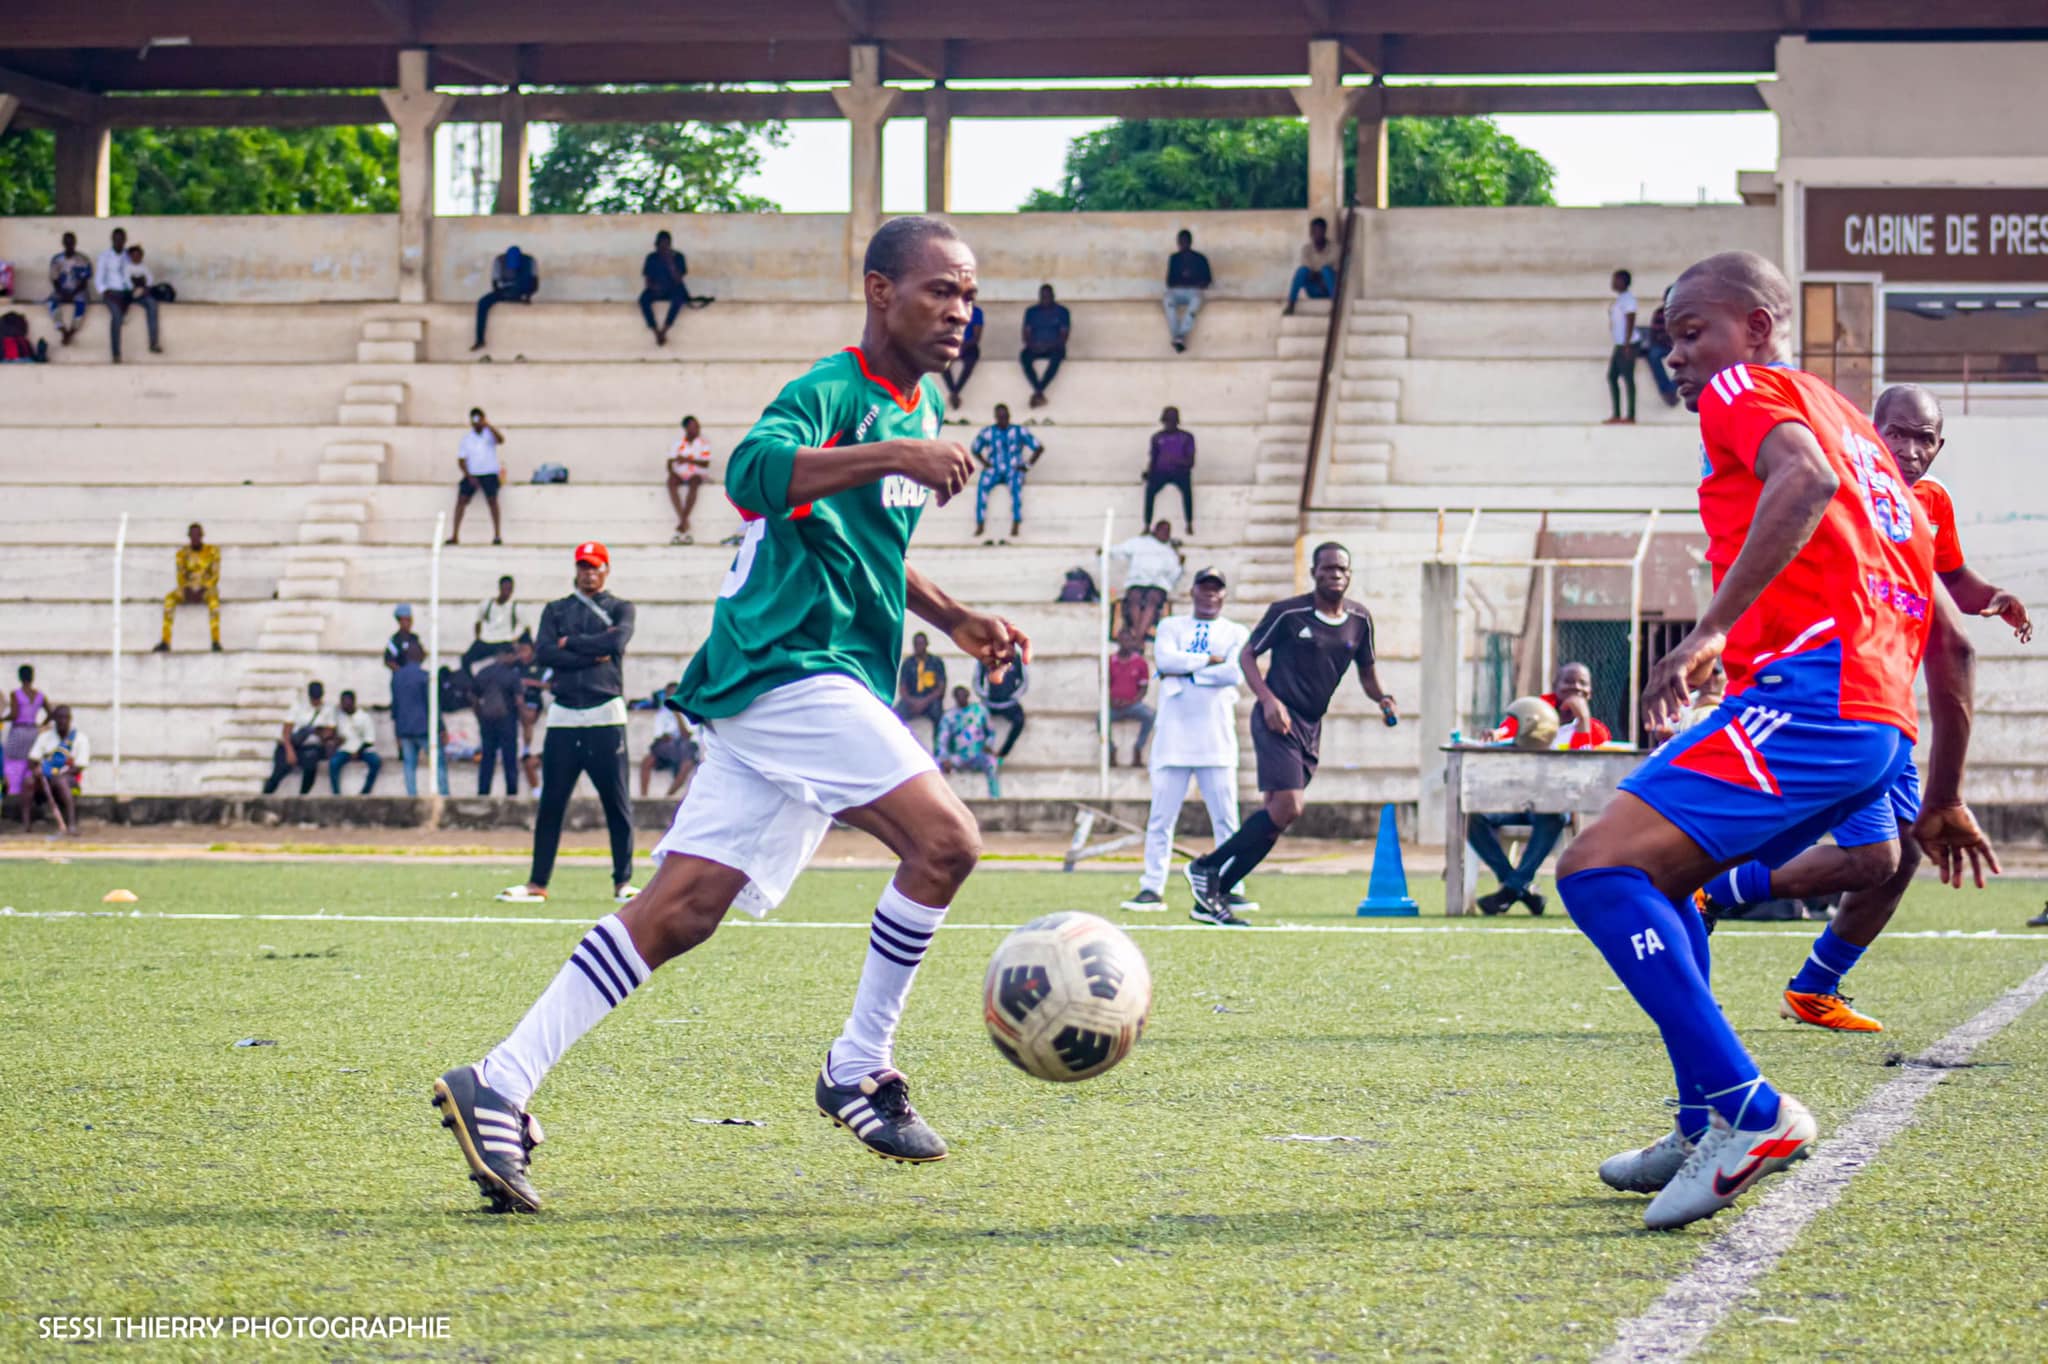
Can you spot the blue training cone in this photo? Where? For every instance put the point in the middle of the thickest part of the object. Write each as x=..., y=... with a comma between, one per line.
x=1387, y=893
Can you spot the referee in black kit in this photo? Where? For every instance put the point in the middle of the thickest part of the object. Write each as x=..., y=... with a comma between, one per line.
x=583, y=638
x=1313, y=639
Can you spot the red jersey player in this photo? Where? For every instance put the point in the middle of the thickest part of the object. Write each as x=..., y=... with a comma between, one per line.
x=1862, y=860
x=1823, y=573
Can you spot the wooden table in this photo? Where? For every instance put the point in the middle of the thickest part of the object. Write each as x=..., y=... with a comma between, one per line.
x=1495, y=779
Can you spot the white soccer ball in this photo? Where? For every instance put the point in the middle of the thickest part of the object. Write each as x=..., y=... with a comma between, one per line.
x=1066, y=996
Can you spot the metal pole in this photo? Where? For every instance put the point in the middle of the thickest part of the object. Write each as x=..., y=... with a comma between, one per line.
x=1635, y=628
x=120, y=552
x=1102, y=666
x=434, y=659
x=1549, y=669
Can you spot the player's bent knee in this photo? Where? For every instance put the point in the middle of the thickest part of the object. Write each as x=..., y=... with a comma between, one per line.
x=1872, y=864
x=950, y=851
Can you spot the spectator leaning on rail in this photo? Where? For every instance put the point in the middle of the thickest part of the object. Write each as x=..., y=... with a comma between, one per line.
x=198, y=568
x=1187, y=276
x=1317, y=273
x=515, y=278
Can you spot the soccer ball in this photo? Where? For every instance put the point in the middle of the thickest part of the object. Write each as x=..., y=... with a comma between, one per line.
x=1066, y=996
x=1535, y=723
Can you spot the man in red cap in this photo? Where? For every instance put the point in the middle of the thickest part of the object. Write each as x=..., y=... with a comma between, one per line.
x=583, y=638
x=790, y=689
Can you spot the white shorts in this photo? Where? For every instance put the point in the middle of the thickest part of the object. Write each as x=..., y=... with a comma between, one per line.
x=771, y=778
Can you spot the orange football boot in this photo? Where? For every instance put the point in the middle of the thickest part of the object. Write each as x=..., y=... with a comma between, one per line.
x=1825, y=1011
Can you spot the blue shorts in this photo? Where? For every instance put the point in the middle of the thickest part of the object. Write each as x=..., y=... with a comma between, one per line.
x=1881, y=820
x=1756, y=781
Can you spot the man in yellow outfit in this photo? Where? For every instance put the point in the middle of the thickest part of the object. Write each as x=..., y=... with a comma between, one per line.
x=198, y=582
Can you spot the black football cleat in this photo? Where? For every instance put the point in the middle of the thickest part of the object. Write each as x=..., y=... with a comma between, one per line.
x=1212, y=904
x=497, y=1139
x=877, y=1110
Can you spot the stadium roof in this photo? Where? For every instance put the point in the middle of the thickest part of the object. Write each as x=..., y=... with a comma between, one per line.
x=103, y=46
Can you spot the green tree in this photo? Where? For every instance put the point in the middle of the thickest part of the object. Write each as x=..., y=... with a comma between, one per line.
x=1190, y=164
x=653, y=168
x=218, y=170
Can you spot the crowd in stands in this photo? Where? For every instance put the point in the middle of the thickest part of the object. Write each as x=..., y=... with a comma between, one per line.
x=45, y=757
x=119, y=276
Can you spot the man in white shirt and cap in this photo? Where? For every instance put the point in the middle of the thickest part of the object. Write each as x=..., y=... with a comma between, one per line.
x=1196, y=657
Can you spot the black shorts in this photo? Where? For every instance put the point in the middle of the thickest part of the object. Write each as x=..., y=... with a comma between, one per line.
x=471, y=483
x=671, y=752
x=1287, y=762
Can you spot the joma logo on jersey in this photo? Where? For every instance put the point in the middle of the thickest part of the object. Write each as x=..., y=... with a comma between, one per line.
x=860, y=432
x=898, y=491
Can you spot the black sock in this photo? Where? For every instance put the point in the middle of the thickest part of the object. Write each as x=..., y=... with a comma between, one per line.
x=1243, y=850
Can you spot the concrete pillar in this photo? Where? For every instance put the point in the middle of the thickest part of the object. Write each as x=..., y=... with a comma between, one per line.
x=82, y=170
x=417, y=111
x=1440, y=661
x=515, y=171
x=1369, y=108
x=8, y=104
x=938, y=151
x=1324, y=102
x=866, y=102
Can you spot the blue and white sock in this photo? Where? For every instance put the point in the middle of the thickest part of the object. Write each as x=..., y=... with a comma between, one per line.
x=897, y=939
x=1648, y=946
x=1825, y=966
x=1692, y=1109
x=1747, y=884
x=596, y=979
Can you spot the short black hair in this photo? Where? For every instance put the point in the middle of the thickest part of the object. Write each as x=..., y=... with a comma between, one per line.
x=476, y=412
x=504, y=578
x=315, y=689
x=688, y=420
x=348, y=696
x=1183, y=233
x=897, y=243
x=1344, y=550
x=1625, y=277
x=663, y=236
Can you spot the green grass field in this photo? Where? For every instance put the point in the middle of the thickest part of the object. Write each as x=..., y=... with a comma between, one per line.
x=1483, y=1070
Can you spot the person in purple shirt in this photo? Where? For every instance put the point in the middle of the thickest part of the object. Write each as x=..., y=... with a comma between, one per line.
x=1172, y=464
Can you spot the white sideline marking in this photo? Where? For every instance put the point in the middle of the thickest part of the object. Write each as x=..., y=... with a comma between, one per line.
x=1678, y=1323
x=1503, y=930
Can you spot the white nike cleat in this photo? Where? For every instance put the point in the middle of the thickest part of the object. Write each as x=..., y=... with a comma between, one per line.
x=1649, y=1169
x=1727, y=1161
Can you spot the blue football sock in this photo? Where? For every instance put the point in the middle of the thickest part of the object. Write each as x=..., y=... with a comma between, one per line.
x=1747, y=884
x=1828, y=963
x=1692, y=1113
x=1649, y=948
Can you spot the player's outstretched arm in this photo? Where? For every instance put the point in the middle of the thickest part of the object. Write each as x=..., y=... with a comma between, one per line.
x=992, y=640
x=944, y=466
x=1798, y=485
x=1946, y=830
x=1980, y=598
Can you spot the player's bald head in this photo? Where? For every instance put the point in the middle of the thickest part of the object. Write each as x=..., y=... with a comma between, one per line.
x=1908, y=402
x=898, y=246
x=1741, y=281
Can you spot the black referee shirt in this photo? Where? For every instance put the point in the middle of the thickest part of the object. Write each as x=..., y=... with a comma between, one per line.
x=1309, y=655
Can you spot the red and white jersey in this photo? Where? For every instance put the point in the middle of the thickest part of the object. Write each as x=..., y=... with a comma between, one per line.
x=1864, y=578
x=1941, y=519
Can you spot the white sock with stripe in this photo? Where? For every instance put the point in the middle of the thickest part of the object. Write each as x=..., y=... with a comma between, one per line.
x=897, y=939
x=596, y=979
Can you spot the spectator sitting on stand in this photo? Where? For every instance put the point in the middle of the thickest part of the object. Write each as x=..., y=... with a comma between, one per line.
x=663, y=273
x=1152, y=569
x=1129, y=676
x=481, y=469
x=1004, y=700
x=921, y=685
x=15, y=346
x=515, y=278
x=969, y=357
x=498, y=626
x=70, y=286
x=355, y=740
x=1001, y=449
x=674, y=750
x=303, y=741
x=1571, y=695
x=402, y=638
x=1187, y=276
x=961, y=743
x=198, y=569
x=56, y=766
x=1170, y=463
x=409, y=685
x=1046, y=328
x=688, y=464
x=1317, y=273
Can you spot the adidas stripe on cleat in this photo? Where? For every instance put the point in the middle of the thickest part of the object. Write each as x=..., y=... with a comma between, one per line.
x=877, y=1111
x=497, y=1139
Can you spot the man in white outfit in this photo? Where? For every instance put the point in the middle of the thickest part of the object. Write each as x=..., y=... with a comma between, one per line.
x=1196, y=738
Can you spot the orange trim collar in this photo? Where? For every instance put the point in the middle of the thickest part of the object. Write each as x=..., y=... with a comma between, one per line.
x=907, y=404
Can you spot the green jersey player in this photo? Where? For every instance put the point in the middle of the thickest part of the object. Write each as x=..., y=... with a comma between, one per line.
x=791, y=693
